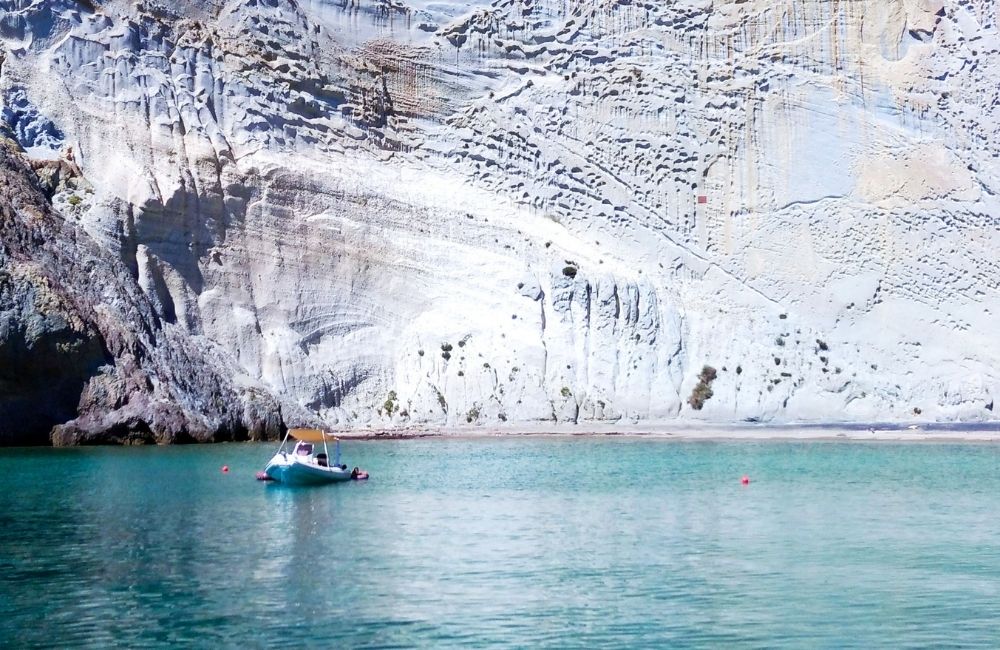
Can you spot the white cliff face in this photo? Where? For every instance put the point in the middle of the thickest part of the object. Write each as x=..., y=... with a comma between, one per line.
x=481, y=212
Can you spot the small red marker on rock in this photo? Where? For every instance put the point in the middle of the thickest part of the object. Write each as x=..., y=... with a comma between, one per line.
x=225, y=469
x=745, y=480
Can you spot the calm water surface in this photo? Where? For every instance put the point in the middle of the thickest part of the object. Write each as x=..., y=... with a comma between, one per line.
x=506, y=542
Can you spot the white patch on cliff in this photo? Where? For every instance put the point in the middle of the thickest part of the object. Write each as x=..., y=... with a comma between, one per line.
x=513, y=211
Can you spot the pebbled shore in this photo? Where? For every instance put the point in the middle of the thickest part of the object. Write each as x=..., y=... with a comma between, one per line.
x=934, y=432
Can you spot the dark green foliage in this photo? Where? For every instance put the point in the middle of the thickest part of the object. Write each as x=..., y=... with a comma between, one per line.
x=390, y=403
x=703, y=390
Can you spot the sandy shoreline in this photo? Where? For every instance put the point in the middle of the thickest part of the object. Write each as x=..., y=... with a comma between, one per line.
x=924, y=433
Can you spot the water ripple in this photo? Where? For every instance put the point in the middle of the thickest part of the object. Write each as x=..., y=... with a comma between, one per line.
x=543, y=543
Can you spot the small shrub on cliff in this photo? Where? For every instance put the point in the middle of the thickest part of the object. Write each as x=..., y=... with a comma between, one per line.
x=74, y=200
x=703, y=390
x=390, y=403
x=565, y=392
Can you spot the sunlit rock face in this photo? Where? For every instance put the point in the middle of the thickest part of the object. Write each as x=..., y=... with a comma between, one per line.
x=460, y=213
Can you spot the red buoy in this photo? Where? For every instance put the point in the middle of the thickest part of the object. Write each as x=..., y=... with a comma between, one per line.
x=225, y=469
x=745, y=480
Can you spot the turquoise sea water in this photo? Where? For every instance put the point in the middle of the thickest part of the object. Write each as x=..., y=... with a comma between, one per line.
x=506, y=542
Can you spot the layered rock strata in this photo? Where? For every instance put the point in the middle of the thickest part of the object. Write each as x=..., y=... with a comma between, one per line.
x=527, y=211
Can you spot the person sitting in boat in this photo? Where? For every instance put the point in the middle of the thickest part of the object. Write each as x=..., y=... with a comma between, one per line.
x=304, y=449
x=354, y=473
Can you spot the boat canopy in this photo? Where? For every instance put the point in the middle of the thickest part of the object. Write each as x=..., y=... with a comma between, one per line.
x=312, y=435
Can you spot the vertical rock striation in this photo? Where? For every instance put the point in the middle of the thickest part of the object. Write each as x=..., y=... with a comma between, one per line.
x=470, y=212
x=83, y=356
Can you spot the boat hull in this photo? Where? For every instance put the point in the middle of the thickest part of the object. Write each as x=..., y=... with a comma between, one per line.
x=290, y=471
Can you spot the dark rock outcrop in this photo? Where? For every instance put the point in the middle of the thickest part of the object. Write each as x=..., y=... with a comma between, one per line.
x=84, y=358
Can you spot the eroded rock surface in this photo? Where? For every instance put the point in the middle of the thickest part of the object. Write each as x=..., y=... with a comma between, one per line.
x=475, y=212
x=83, y=356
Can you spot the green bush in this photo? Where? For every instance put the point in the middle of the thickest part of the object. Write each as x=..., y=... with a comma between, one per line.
x=473, y=414
x=703, y=389
x=390, y=403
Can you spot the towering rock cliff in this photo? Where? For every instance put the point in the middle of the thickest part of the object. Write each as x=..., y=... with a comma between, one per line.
x=78, y=337
x=471, y=212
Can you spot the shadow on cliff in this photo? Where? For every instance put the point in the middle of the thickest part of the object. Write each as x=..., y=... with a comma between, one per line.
x=84, y=357
x=44, y=367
